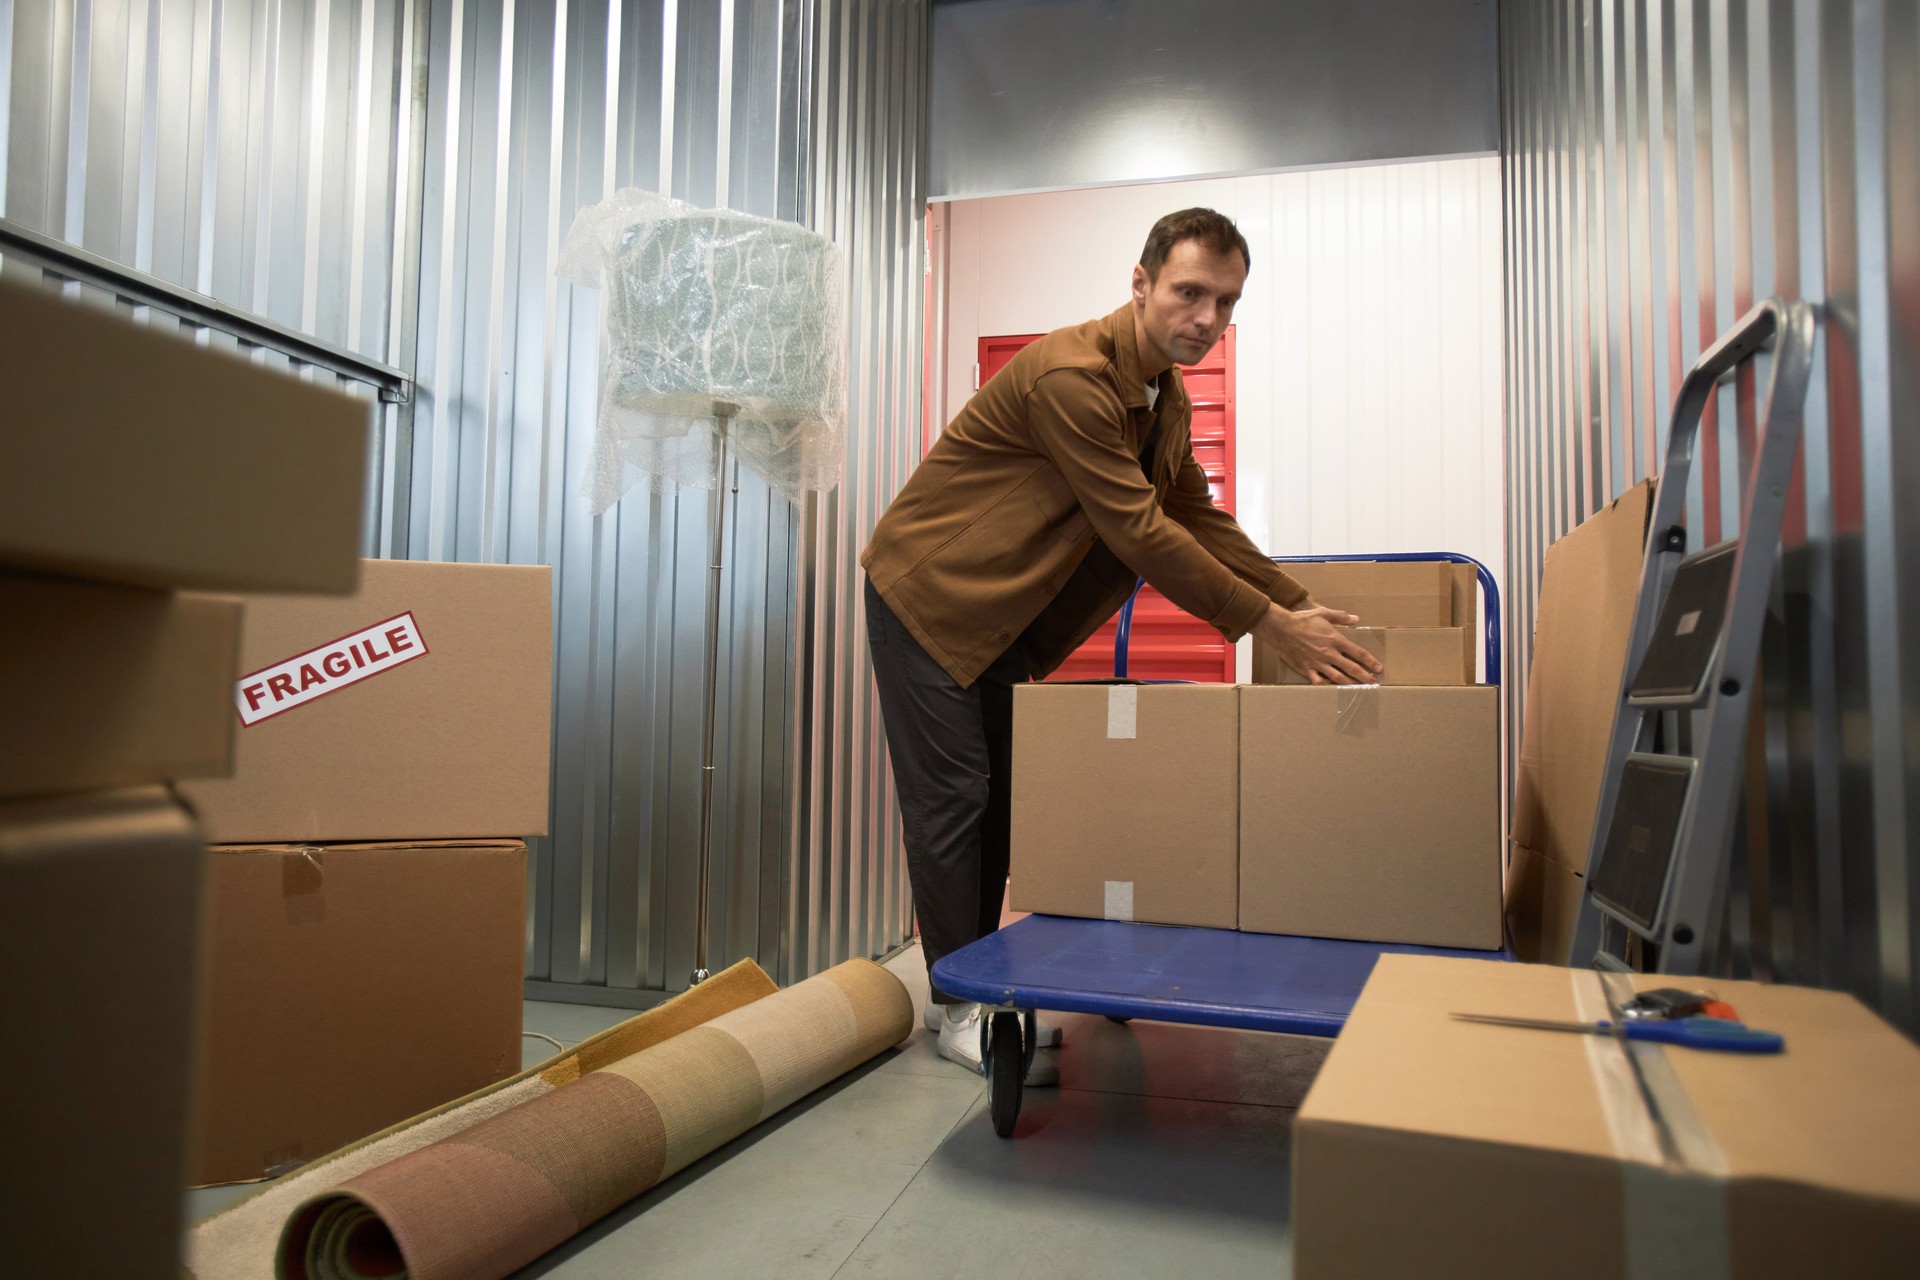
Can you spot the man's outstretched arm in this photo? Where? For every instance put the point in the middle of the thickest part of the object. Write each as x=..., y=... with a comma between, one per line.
x=1306, y=636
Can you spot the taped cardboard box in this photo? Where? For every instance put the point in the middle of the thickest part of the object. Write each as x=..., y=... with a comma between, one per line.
x=131, y=455
x=349, y=987
x=1588, y=586
x=1371, y=813
x=1437, y=1148
x=1410, y=655
x=1124, y=802
x=417, y=708
x=99, y=925
x=104, y=687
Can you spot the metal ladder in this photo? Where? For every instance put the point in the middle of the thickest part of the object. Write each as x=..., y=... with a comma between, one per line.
x=1658, y=866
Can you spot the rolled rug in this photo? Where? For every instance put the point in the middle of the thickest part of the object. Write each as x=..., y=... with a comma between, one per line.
x=494, y=1197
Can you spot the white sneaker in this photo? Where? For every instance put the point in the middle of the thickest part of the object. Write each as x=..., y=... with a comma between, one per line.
x=960, y=1042
x=1047, y=1037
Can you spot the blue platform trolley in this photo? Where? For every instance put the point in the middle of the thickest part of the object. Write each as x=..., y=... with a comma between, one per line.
x=1208, y=977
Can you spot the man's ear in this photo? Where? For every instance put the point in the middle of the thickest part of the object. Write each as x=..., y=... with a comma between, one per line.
x=1142, y=286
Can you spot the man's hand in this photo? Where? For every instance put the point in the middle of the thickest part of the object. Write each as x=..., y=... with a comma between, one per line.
x=1309, y=641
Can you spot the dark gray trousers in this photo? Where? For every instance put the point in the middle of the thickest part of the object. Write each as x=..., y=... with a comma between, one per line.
x=952, y=752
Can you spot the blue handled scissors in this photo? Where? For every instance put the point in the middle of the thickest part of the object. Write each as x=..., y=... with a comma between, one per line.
x=1717, y=1034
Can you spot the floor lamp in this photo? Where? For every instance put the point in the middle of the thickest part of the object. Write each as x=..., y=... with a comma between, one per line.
x=722, y=338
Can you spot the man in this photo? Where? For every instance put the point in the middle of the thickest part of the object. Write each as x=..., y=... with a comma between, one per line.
x=1069, y=474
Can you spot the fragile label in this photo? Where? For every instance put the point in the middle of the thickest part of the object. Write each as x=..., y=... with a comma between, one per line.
x=331, y=667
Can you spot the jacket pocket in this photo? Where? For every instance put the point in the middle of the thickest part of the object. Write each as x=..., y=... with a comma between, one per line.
x=1061, y=511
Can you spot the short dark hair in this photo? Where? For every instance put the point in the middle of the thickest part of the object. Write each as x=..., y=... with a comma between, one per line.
x=1214, y=230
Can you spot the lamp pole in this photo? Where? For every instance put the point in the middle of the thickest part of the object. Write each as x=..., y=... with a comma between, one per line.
x=723, y=413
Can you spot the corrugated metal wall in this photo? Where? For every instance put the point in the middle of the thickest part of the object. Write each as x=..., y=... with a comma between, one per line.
x=369, y=170
x=251, y=150
x=804, y=109
x=1665, y=166
x=848, y=892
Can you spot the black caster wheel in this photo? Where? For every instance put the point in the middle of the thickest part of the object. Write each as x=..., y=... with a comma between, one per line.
x=1007, y=1067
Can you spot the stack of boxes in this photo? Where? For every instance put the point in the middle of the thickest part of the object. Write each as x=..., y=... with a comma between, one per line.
x=367, y=884
x=262, y=879
x=133, y=467
x=1367, y=813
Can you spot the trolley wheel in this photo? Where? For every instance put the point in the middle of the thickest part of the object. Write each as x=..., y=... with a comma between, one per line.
x=1007, y=1067
x=1118, y=1020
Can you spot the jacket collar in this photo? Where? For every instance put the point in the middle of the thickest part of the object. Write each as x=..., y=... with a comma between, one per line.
x=1126, y=358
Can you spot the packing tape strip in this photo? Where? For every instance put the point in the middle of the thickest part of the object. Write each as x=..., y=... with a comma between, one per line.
x=1674, y=1220
x=1119, y=904
x=1358, y=708
x=1123, y=710
x=302, y=871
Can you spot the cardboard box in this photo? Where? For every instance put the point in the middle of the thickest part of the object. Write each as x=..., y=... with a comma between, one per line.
x=1412, y=655
x=418, y=708
x=1371, y=813
x=1384, y=593
x=1124, y=803
x=1588, y=587
x=1401, y=593
x=1437, y=1148
x=105, y=687
x=133, y=456
x=99, y=916
x=351, y=987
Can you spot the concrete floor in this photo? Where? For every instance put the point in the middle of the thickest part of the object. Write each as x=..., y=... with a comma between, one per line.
x=1165, y=1152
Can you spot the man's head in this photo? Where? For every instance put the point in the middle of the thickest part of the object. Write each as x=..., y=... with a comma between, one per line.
x=1186, y=284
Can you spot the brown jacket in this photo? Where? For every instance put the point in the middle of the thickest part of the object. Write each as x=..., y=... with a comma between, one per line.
x=1031, y=515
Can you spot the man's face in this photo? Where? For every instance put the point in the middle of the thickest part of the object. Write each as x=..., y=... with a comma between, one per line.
x=1188, y=306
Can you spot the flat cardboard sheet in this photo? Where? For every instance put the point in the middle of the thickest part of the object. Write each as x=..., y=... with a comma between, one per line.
x=1588, y=586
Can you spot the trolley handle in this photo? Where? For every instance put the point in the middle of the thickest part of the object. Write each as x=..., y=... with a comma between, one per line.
x=1489, y=594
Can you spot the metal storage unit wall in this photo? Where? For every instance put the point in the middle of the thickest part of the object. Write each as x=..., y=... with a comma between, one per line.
x=249, y=151
x=805, y=109
x=394, y=177
x=1666, y=165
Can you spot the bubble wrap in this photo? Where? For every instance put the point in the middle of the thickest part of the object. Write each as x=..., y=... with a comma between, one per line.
x=704, y=305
